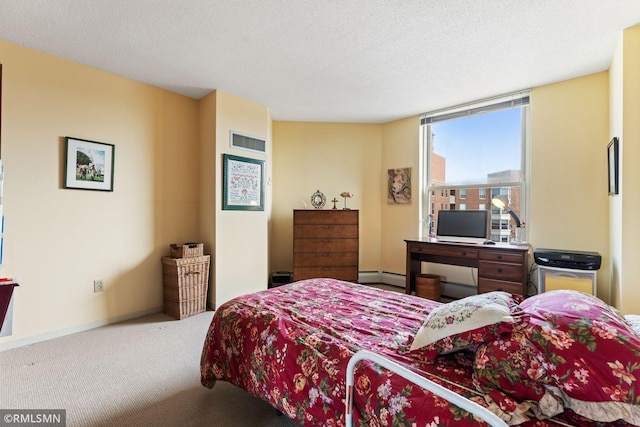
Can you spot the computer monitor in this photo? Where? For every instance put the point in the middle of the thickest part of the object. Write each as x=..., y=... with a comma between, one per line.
x=465, y=226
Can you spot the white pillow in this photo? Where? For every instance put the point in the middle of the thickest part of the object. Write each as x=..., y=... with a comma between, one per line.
x=464, y=315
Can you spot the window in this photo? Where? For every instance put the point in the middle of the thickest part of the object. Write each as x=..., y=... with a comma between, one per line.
x=475, y=151
x=463, y=206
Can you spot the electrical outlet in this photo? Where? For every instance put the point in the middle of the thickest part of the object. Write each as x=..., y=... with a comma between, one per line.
x=98, y=285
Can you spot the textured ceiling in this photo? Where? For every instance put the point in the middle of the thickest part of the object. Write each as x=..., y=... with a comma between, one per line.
x=330, y=60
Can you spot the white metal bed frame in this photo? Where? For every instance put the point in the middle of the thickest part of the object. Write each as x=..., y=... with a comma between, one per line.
x=454, y=398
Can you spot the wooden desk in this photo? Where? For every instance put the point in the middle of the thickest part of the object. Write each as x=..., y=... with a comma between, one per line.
x=500, y=267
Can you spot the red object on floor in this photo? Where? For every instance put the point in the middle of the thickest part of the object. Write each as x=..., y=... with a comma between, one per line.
x=6, y=290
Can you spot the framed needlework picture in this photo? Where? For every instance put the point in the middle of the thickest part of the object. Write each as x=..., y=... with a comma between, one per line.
x=88, y=165
x=242, y=184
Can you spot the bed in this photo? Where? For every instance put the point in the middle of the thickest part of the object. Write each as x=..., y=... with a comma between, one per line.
x=555, y=359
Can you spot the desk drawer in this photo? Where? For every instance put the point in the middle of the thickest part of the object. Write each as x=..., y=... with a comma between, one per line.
x=489, y=285
x=444, y=251
x=502, y=257
x=500, y=271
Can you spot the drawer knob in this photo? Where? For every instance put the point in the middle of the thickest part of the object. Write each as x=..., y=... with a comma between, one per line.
x=499, y=270
x=463, y=254
x=499, y=256
x=192, y=272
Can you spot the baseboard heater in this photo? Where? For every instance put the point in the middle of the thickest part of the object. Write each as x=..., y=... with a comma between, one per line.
x=453, y=291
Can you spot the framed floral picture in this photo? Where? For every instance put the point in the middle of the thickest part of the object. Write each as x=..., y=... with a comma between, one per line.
x=242, y=183
x=88, y=165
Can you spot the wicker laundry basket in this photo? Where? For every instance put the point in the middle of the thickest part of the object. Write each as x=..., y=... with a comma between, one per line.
x=185, y=285
x=186, y=250
x=428, y=286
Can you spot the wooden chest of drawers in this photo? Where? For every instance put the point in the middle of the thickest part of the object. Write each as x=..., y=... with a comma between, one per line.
x=325, y=244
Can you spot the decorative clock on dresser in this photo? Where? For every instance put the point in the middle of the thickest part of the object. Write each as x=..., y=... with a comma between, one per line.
x=325, y=244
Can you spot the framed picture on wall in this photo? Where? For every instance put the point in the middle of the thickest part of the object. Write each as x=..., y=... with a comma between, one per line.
x=242, y=183
x=399, y=186
x=88, y=165
x=613, y=163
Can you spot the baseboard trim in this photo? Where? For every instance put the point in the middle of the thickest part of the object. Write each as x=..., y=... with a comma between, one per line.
x=394, y=279
x=369, y=277
x=21, y=342
x=388, y=278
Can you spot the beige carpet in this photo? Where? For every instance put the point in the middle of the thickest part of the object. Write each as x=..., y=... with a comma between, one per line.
x=143, y=372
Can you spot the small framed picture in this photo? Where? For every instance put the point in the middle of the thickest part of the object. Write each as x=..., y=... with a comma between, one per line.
x=242, y=184
x=399, y=186
x=612, y=158
x=88, y=165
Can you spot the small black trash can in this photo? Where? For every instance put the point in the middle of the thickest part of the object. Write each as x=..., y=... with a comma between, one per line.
x=280, y=278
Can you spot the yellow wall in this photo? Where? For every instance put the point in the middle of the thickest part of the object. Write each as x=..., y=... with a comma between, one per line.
x=241, y=237
x=615, y=202
x=623, y=227
x=332, y=158
x=569, y=122
x=168, y=177
x=630, y=157
x=208, y=190
x=400, y=149
x=57, y=241
x=568, y=177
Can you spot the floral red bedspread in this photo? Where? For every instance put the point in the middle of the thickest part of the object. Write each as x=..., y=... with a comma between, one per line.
x=290, y=346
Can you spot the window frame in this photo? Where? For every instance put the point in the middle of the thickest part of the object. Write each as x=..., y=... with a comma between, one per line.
x=515, y=100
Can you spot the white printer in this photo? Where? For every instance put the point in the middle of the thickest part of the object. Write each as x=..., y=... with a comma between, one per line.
x=575, y=260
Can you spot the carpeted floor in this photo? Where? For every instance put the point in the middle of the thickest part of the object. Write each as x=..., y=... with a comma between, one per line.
x=143, y=372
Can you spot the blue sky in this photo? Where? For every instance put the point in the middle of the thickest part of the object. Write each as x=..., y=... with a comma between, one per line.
x=478, y=145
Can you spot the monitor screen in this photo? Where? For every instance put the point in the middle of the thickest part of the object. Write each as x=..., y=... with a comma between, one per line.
x=465, y=224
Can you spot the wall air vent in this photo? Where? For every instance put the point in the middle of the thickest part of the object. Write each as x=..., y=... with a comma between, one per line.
x=246, y=142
